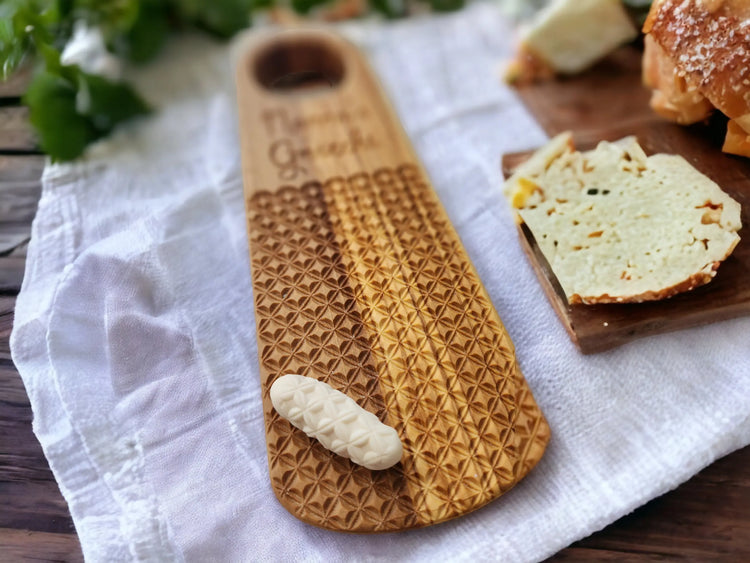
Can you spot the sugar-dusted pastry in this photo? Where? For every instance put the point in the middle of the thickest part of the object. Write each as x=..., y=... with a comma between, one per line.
x=697, y=59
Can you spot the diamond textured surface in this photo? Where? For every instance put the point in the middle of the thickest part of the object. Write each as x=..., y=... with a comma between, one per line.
x=361, y=282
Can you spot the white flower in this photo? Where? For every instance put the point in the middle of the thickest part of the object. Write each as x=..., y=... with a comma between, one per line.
x=87, y=50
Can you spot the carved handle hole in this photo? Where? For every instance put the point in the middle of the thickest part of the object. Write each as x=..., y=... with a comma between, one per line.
x=295, y=64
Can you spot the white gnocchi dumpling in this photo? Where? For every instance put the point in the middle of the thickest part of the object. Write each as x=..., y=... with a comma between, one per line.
x=336, y=421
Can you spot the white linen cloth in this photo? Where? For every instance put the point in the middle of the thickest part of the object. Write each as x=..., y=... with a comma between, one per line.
x=135, y=336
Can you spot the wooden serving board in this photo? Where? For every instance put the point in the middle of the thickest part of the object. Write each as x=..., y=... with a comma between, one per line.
x=608, y=103
x=360, y=281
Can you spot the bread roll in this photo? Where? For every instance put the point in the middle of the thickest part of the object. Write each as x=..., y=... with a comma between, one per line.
x=617, y=226
x=697, y=57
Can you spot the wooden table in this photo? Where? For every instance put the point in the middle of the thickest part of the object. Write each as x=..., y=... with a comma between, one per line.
x=706, y=518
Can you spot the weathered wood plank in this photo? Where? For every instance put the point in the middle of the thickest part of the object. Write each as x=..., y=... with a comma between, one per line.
x=13, y=236
x=34, y=504
x=16, y=85
x=707, y=518
x=19, y=251
x=21, y=455
x=584, y=554
x=35, y=522
x=19, y=200
x=24, y=545
x=21, y=168
x=7, y=305
x=560, y=106
x=31, y=499
x=16, y=133
x=12, y=269
x=12, y=390
x=20, y=189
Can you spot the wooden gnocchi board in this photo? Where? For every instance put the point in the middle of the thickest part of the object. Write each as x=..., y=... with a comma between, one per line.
x=359, y=280
x=609, y=102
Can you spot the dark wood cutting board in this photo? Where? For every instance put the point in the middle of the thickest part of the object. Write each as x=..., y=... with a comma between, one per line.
x=607, y=103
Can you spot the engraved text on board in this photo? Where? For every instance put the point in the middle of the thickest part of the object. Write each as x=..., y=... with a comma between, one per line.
x=291, y=151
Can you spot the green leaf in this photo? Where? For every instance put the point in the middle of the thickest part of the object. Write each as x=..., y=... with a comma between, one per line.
x=15, y=40
x=63, y=133
x=390, y=8
x=24, y=25
x=65, y=8
x=109, y=103
x=51, y=58
x=11, y=55
x=112, y=16
x=148, y=33
x=446, y=5
x=304, y=6
x=638, y=10
x=223, y=18
x=65, y=128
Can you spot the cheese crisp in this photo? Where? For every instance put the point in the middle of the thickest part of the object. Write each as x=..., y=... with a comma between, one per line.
x=618, y=226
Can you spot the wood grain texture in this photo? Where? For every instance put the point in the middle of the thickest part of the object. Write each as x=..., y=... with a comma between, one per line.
x=620, y=108
x=16, y=85
x=360, y=281
x=45, y=546
x=20, y=189
x=34, y=521
x=706, y=519
x=16, y=134
x=23, y=170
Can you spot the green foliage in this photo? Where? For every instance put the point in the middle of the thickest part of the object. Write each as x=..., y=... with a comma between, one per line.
x=63, y=132
x=390, y=8
x=68, y=107
x=446, y=5
x=147, y=34
x=223, y=18
x=638, y=9
x=304, y=6
x=108, y=103
x=24, y=24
